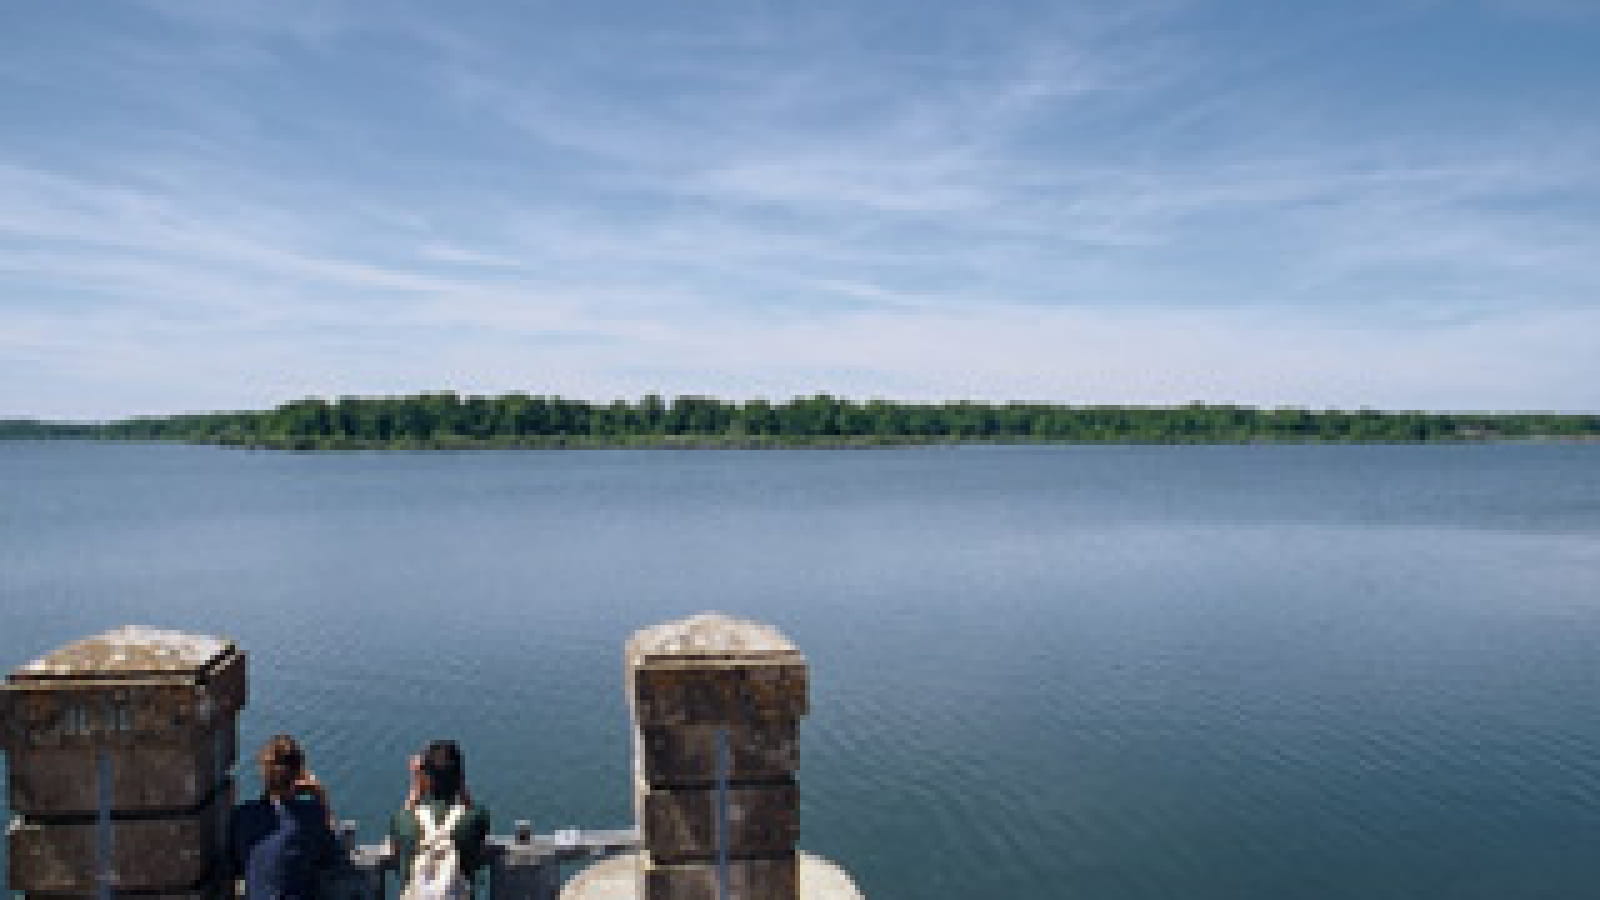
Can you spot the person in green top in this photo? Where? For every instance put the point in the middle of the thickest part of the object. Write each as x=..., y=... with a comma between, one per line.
x=439, y=781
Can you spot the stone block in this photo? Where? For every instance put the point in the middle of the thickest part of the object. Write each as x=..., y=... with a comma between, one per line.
x=711, y=692
x=680, y=824
x=713, y=669
x=172, y=853
x=765, y=750
x=163, y=706
x=166, y=771
x=212, y=891
x=776, y=878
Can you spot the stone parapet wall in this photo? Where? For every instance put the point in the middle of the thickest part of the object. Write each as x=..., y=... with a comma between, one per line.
x=121, y=749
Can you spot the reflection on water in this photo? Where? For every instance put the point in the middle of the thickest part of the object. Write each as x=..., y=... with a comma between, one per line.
x=1109, y=672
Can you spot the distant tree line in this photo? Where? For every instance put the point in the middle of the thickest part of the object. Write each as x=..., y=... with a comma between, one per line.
x=34, y=429
x=446, y=419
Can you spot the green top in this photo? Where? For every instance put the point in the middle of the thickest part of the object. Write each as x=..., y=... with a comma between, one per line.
x=469, y=834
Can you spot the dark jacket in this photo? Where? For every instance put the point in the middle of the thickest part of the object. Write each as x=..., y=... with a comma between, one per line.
x=279, y=850
x=470, y=835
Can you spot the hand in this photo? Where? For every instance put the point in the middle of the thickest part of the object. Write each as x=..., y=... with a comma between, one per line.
x=307, y=783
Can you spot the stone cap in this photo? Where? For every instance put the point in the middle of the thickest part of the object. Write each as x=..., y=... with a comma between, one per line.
x=130, y=652
x=709, y=636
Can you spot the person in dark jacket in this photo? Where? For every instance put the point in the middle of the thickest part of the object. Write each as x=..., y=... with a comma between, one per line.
x=439, y=781
x=281, y=842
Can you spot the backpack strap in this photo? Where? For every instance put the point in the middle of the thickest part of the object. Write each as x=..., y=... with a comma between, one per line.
x=452, y=819
x=425, y=822
x=431, y=829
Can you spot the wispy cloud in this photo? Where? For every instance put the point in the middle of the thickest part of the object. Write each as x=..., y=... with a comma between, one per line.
x=1093, y=206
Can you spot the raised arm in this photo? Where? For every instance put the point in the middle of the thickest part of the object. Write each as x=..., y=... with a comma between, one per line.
x=414, y=785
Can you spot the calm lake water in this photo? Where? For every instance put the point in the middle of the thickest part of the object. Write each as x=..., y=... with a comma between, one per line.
x=1113, y=673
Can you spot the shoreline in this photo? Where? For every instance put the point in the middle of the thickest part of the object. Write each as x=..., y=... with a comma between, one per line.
x=702, y=442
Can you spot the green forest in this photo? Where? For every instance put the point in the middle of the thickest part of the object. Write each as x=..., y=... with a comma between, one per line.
x=445, y=420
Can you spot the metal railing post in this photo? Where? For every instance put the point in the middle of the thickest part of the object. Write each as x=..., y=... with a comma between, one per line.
x=722, y=813
x=105, y=869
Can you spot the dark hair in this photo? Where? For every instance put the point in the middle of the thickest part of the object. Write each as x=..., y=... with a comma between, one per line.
x=281, y=764
x=441, y=762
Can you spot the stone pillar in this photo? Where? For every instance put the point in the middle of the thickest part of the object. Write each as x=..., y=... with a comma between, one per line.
x=120, y=750
x=687, y=682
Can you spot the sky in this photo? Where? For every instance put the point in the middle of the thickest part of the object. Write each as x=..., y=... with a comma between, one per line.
x=226, y=204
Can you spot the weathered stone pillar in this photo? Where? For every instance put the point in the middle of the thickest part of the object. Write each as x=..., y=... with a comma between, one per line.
x=715, y=696
x=120, y=750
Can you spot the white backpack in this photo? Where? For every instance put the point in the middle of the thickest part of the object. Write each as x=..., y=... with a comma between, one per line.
x=436, y=869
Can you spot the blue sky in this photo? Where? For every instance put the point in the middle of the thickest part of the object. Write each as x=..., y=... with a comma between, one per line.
x=209, y=204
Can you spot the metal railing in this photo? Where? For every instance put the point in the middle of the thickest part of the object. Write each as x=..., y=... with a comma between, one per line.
x=522, y=866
